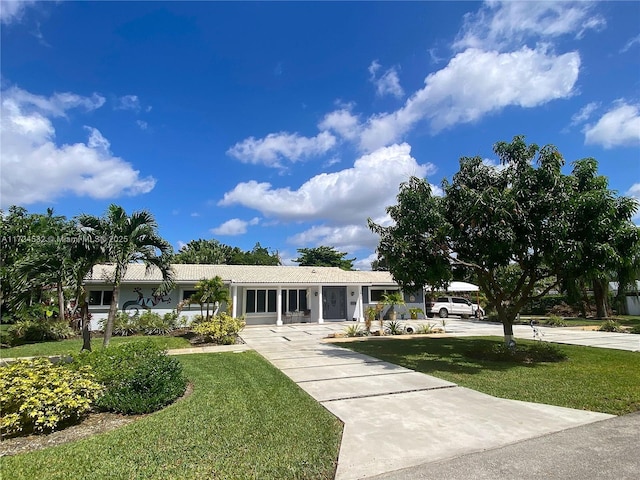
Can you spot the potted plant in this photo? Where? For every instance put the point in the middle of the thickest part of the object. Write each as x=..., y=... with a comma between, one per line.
x=414, y=312
x=392, y=299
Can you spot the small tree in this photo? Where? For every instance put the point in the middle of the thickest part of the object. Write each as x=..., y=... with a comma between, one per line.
x=211, y=292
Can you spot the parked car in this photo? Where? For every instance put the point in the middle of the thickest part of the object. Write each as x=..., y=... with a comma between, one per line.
x=445, y=306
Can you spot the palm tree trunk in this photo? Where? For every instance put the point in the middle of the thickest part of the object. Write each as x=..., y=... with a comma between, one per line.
x=86, y=333
x=113, y=308
x=61, y=305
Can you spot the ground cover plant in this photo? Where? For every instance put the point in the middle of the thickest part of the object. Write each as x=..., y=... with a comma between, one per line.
x=596, y=379
x=71, y=346
x=244, y=419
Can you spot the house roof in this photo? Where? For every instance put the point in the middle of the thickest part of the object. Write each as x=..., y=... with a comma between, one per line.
x=246, y=274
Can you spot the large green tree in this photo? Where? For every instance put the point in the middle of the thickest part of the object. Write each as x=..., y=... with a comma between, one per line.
x=324, y=257
x=604, y=241
x=204, y=252
x=126, y=239
x=511, y=226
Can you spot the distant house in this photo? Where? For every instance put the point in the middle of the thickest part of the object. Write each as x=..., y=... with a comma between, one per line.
x=263, y=294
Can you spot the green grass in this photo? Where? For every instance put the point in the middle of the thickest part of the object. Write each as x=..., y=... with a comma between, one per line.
x=625, y=320
x=73, y=345
x=596, y=379
x=244, y=420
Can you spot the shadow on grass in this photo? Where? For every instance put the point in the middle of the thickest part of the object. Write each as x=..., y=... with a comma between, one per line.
x=432, y=355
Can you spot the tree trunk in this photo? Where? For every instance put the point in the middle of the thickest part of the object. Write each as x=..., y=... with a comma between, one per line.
x=507, y=317
x=600, y=291
x=113, y=308
x=86, y=332
x=61, y=306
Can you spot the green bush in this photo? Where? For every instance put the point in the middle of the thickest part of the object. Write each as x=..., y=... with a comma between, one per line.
x=138, y=377
x=39, y=330
x=353, y=331
x=529, y=353
x=37, y=396
x=393, y=327
x=610, y=326
x=222, y=328
x=425, y=328
x=152, y=323
x=555, y=321
x=123, y=324
x=635, y=329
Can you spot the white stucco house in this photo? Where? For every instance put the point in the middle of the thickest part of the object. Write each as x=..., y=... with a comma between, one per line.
x=263, y=294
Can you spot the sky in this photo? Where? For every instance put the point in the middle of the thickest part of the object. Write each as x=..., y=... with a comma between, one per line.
x=291, y=123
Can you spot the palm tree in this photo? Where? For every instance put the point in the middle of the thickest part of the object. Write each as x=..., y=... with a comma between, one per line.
x=212, y=292
x=128, y=239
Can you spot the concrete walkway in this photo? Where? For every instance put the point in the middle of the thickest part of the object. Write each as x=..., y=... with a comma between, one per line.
x=394, y=417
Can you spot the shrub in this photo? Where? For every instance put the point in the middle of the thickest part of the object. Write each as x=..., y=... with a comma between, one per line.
x=394, y=327
x=222, y=328
x=635, y=329
x=138, y=377
x=426, y=328
x=610, y=326
x=37, y=396
x=152, y=323
x=123, y=324
x=39, y=330
x=555, y=321
x=529, y=353
x=353, y=331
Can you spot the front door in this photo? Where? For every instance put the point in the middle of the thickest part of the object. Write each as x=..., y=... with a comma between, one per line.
x=334, y=303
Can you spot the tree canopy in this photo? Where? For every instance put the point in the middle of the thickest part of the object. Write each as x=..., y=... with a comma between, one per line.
x=324, y=257
x=216, y=253
x=514, y=226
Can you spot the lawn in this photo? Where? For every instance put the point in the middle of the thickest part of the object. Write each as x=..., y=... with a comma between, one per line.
x=73, y=345
x=596, y=379
x=625, y=320
x=244, y=420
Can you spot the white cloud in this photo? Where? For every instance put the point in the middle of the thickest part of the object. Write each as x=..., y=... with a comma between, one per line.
x=128, y=102
x=500, y=25
x=584, y=113
x=275, y=147
x=620, y=126
x=36, y=169
x=235, y=226
x=634, y=41
x=343, y=237
x=476, y=83
x=12, y=10
x=142, y=124
x=634, y=192
x=388, y=83
x=342, y=122
x=343, y=197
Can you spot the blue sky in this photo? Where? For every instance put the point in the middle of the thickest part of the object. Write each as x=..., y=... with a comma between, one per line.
x=290, y=123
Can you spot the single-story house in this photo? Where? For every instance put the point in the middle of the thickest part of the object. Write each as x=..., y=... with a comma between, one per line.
x=263, y=294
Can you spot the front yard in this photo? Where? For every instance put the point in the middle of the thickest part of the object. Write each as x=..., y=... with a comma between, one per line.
x=596, y=379
x=244, y=419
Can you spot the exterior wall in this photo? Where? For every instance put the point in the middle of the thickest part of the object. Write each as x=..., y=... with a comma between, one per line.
x=633, y=304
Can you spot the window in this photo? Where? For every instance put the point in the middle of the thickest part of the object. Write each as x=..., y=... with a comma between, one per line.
x=461, y=300
x=187, y=293
x=376, y=294
x=261, y=301
x=100, y=297
x=294, y=300
x=266, y=300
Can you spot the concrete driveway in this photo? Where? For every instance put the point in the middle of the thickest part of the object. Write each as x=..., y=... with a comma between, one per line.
x=396, y=418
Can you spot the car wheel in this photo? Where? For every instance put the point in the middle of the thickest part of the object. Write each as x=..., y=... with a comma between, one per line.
x=443, y=313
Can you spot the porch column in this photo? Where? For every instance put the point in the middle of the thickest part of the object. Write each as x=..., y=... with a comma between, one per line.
x=279, y=307
x=234, y=301
x=359, y=313
x=320, y=313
